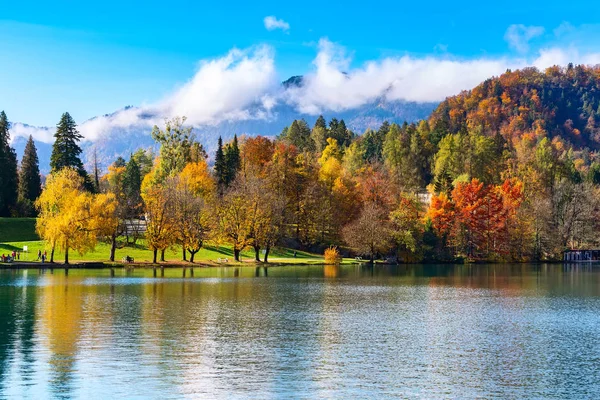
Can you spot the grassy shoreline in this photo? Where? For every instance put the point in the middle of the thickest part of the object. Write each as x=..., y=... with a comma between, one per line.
x=16, y=233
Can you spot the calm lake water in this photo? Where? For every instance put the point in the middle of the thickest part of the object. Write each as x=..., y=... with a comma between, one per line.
x=304, y=332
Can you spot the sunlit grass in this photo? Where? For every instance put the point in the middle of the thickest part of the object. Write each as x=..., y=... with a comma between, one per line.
x=16, y=233
x=210, y=254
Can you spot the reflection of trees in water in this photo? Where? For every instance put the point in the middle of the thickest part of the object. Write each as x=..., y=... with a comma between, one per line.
x=60, y=315
x=17, y=326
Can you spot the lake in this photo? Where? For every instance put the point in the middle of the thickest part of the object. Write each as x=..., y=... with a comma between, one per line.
x=351, y=332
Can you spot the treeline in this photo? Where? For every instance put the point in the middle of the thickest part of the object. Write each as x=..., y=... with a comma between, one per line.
x=20, y=186
x=508, y=171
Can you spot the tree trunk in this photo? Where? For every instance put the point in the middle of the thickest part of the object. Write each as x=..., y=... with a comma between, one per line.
x=67, y=255
x=113, y=247
x=192, y=254
x=52, y=253
x=162, y=255
x=257, y=253
x=184, y=254
x=372, y=259
x=266, y=257
x=236, y=254
x=154, y=253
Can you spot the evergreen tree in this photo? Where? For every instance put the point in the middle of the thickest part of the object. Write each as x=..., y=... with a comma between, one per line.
x=132, y=183
x=299, y=135
x=30, y=183
x=97, y=172
x=66, y=150
x=8, y=172
x=233, y=161
x=320, y=123
x=220, y=166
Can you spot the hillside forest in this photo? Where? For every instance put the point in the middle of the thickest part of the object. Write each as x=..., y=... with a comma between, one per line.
x=507, y=171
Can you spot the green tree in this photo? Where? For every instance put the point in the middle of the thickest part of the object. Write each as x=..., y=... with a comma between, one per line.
x=8, y=172
x=176, y=142
x=30, y=185
x=144, y=159
x=299, y=135
x=233, y=160
x=66, y=150
x=220, y=166
x=132, y=183
x=321, y=123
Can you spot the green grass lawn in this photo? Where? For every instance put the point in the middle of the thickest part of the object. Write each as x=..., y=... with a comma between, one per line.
x=209, y=254
x=16, y=233
x=17, y=230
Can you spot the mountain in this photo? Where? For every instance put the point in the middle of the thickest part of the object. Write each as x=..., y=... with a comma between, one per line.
x=119, y=141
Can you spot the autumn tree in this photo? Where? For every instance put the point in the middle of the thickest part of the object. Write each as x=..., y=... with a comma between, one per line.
x=191, y=191
x=407, y=226
x=235, y=217
x=115, y=185
x=370, y=233
x=70, y=217
x=159, y=222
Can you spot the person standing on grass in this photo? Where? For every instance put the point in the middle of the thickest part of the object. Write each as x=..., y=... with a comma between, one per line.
x=39, y=255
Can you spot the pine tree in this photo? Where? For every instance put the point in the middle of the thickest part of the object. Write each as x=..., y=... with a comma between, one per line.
x=220, y=166
x=320, y=123
x=30, y=184
x=8, y=170
x=298, y=134
x=66, y=150
x=233, y=161
x=132, y=183
x=96, y=172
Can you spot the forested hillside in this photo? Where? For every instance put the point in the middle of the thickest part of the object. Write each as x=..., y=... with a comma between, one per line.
x=555, y=102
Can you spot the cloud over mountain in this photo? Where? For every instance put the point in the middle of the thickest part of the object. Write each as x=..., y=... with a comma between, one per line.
x=244, y=85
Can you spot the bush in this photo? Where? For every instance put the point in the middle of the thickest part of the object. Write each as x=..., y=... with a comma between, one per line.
x=332, y=255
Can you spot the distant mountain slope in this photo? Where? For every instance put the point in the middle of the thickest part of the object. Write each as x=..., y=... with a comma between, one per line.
x=561, y=102
x=123, y=141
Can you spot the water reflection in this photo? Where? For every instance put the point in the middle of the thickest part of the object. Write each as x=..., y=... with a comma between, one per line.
x=430, y=331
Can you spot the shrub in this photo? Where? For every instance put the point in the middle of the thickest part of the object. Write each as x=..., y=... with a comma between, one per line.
x=332, y=255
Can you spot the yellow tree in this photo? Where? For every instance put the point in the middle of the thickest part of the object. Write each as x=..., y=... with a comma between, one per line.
x=236, y=214
x=159, y=221
x=191, y=190
x=71, y=217
x=115, y=185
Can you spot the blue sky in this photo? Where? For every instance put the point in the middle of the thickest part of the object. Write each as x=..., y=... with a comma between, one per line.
x=94, y=58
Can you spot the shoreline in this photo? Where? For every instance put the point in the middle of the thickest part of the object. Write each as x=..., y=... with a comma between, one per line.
x=250, y=264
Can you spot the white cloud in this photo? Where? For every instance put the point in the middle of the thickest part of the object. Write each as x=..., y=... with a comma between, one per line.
x=222, y=89
x=519, y=35
x=272, y=23
x=333, y=85
x=244, y=85
x=43, y=134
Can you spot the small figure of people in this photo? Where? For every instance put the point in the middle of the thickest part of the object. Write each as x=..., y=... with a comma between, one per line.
x=39, y=255
x=18, y=255
x=44, y=257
